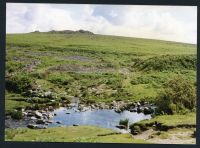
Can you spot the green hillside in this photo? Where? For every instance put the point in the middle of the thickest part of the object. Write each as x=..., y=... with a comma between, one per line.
x=49, y=69
x=96, y=68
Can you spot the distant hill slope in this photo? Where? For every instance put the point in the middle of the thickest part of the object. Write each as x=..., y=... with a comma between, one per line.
x=87, y=41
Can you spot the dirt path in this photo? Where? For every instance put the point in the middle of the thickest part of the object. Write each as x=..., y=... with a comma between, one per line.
x=175, y=136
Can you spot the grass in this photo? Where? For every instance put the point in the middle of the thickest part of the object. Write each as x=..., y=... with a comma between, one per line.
x=70, y=134
x=167, y=122
x=95, y=68
x=117, y=68
x=173, y=120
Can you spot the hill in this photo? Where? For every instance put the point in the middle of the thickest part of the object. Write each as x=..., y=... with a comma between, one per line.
x=96, y=68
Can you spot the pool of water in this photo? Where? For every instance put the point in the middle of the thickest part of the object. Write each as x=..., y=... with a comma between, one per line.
x=102, y=118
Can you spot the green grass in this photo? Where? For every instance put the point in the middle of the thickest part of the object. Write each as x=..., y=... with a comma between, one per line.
x=70, y=134
x=116, y=68
x=172, y=120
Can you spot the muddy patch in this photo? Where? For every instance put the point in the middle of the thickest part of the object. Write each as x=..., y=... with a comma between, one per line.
x=80, y=69
x=77, y=58
x=31, y=66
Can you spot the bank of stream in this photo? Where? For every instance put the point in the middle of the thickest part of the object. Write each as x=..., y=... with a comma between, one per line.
x=73, y=116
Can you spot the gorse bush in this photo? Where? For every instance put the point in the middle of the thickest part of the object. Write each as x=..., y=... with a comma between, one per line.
x=124, y=122
x=178, y=96
x=17, y=115
x=167, y=62
x=60, y=78
x=13, y=66
x=19, y=83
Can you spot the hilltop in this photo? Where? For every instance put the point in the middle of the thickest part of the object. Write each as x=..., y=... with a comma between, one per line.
x=66, y=32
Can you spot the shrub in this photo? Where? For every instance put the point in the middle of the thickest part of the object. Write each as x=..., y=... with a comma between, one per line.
x=178, y=95
x=135, y=129
x=17, y=115
x=167, y=62
x=59, y=78
x=18, y=83
x=124, y=122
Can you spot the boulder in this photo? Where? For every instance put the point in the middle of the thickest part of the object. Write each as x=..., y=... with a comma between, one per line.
x=51, y=108
x=93, y=106
x=75, y=124
x=40, y=121
x=133, y=110
x=24, y=113
x=48, y=94
x=38, y=114
x=121, y=126
x=32, y=126
x=106, y=107
x=148, y=110
x=41, y=127
x=139, y=110
x=138, y=104
x=50, y=116
x=117, y=110
x=30, y=114
x=49, y=121
x=33, y=118
x=45, y=114
x=58, y=122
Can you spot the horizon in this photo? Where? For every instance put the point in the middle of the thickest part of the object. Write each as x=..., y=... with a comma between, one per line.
x=37, y=31
x=167, y=23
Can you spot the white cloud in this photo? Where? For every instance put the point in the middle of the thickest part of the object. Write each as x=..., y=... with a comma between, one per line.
x=176, y=23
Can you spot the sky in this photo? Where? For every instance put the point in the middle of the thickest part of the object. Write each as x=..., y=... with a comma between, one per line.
x=172, y=23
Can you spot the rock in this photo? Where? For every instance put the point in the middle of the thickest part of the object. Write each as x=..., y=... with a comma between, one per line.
x=45, y=114
x=75, y=124
x=118, y=110
x=133, y=110
x=24, y=113
x=29, y=100
x=50, y=116
x=38, y=114
x=42, y=111
x=139, y=110
x=30, y=114
x=58, y=122
x=121, y=126
x=102, y=106
x=76, y=110
x=40, y=121
x=48, y=94
x=55, y=114
x=106, y=107
x=41, y=127
x=114, y=103
x=93, y=106
x=148, y=110
x=49, y=121
x=32, y=126
x=67, y=113
x=33, y=118
x=51, y=108
x=80, y=107
x=7, y=117
x=138, y=104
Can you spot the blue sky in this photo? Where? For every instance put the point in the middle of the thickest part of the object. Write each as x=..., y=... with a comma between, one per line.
x=174, y=23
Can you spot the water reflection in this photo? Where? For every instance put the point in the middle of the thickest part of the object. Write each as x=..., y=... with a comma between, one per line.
x=103, y=118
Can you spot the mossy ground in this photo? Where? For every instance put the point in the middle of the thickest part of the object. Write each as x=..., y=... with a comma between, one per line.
x=95, y=68
x=70, y=134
